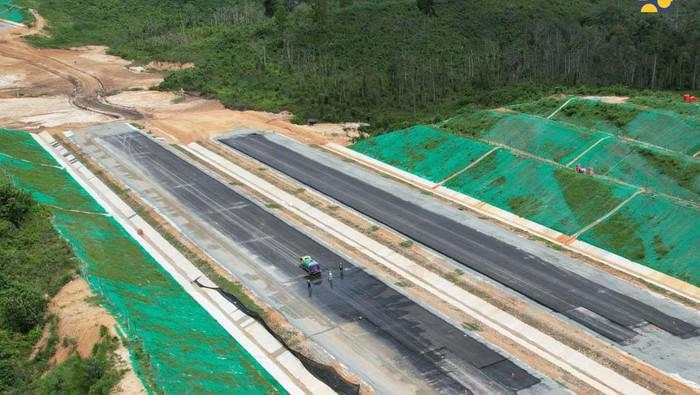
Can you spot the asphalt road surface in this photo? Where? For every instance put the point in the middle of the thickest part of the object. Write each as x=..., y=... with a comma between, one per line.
x=442, y=354
x=603, y=310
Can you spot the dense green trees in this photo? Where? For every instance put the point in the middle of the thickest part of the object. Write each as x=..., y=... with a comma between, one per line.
x=385, y=61
x=426, y=6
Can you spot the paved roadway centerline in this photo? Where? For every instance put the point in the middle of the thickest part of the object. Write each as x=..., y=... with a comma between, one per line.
x=609, y=313
x=446, y=357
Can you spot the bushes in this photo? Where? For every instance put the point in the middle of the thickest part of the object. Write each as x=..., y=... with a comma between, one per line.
x=95, y=375
x=14, y=204
x=34, y=264
x=21, y=308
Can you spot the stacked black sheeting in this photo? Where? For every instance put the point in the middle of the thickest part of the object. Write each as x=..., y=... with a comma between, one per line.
x=601, y=309
x=430, y=344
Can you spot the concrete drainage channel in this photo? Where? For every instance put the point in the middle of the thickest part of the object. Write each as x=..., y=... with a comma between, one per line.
x=282, y=365
x=321, y=371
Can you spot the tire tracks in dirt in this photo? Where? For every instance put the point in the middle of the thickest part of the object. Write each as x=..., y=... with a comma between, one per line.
x=88, y=90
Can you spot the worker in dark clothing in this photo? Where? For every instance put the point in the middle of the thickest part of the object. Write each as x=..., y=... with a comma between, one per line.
x=340, y=269
x=308, y=285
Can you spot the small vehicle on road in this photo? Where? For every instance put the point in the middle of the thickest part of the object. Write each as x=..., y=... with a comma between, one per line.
x=310, y=265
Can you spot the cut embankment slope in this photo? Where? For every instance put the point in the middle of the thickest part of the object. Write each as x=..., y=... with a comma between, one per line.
x=10, y=12
x=659, y=235
x=177, y=346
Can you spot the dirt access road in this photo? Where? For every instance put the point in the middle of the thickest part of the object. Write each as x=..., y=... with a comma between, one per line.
x=59, y=89
x=88, y=90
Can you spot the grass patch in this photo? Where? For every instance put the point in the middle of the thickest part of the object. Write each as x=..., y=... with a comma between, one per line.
x=406, y=243
x=619, y=234
x=590, y=113
x=683, y=172
x=273, y=206
x=471, y=326
x=525, y=206
x=472, y=123
x=403, y=284
x=588, y=198
x=454, y=276
x=660, y=247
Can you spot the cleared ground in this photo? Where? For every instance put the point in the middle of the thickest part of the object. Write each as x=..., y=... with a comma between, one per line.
x=608, y=313
x=445, y=356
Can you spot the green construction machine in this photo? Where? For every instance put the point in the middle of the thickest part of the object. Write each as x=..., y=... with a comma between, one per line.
x=310, y=265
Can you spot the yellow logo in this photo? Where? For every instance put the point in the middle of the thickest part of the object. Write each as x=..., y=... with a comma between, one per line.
x=655, y=6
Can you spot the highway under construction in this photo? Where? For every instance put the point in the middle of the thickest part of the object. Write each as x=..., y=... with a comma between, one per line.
x=445, y=357
x=604, y=311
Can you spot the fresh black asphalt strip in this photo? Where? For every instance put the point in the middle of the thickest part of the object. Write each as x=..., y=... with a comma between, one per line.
x=433, y=346
x=601, y=309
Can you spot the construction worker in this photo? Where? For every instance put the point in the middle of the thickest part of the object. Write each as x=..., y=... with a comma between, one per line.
x=340, y=269
x=330, y=278
x=308, y=285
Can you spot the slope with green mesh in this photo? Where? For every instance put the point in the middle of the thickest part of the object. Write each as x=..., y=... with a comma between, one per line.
x=425, y=151
x=551, y=140
x=10, y=12
x=177, y=346
x=660, y=233
x=657, y=170
x=666, y=129
x=674, y=130
x=555, y=197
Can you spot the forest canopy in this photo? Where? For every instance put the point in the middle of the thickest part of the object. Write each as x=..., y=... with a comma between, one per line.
x=386, y=61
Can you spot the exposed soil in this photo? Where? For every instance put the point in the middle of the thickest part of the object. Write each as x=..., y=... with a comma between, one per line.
x=185, y=118
x=80, y=321
x=609, y=99
x=114, y=88
x=168, y=66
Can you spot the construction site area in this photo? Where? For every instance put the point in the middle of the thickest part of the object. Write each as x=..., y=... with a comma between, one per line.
x=544, y=247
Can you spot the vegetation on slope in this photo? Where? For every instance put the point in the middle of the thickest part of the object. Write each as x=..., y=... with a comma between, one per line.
x=34, y=264
x=385, y=61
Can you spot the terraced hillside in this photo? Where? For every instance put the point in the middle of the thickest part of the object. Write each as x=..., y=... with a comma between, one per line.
x=641, y=200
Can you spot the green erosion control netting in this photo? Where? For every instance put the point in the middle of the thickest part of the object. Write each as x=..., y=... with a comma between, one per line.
x=22, y=145
x=10, y=12
x=552, y=196
x=656, y=232
x=595, y=114
x=177, y=346
x=430, y=153
x=666, y=129
x=542, y=107
x=557, y=141
x=660, y=171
